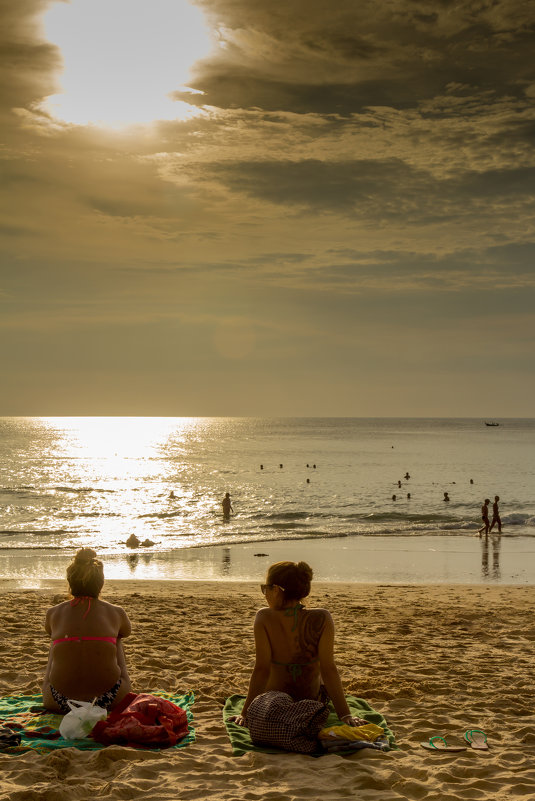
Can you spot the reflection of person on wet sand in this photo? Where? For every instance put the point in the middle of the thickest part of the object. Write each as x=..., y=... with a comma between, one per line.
x=495, y=542
x=485, y=518
x=227, y=506
x=496, y=515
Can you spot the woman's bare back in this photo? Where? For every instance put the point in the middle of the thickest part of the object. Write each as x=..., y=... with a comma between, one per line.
x=79, y=667
x=294, y=635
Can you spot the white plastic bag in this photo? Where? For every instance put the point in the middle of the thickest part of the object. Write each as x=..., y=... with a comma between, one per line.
x=81, y=719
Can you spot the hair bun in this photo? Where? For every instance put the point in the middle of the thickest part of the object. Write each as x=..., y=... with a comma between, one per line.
x=85, y=555
x=305, y=569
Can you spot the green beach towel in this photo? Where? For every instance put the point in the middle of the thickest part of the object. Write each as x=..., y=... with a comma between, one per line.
x=241, y=741
x=39, y=729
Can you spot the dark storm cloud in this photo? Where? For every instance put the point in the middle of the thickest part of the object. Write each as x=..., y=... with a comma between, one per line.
x=339, y=58
x=380, y=189
x=236, y=88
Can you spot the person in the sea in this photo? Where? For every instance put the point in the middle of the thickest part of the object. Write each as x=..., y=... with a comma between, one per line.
x=496, y=515
x=86, y=659
x=485, y=518
x=294, y=645
x=227, y=505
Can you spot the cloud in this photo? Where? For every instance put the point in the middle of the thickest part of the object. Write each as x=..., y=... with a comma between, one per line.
x=340, y=58
x=27, y=62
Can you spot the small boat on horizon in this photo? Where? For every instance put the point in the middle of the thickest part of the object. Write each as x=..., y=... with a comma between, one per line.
x=491, y=424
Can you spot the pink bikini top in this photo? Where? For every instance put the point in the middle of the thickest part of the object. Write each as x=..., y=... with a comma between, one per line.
x=75, y=601
x=80, y=639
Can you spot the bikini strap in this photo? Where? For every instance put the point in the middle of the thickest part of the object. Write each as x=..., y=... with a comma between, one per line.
x=293, y=611
x=78, y=599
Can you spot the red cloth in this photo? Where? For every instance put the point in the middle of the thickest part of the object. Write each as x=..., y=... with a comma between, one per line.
x=142, y=720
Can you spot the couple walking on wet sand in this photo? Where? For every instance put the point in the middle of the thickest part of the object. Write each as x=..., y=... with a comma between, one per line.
x=487, y=527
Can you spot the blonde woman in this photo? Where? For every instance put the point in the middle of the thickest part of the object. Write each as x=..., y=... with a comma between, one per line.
x=86, y=659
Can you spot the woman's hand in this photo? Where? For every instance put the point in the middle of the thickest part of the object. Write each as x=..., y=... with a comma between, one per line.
x=239, y=719
x=349, y=720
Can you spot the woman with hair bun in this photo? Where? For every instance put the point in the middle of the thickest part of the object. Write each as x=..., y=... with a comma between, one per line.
x=86, y=660
x=294, y=645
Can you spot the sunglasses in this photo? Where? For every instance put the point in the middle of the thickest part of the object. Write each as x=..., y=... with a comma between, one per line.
x=265, y=587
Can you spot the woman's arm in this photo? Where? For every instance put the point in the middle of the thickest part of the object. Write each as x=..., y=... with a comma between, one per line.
x=330, y=675
x=121, y=661
x=48, y=630
x=125, y=629
x=262, y=667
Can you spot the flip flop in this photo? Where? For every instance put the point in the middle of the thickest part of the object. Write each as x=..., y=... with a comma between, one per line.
x=477, y=739
x=439, y=743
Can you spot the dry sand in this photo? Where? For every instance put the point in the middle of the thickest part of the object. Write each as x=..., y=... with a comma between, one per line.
x=433, y=660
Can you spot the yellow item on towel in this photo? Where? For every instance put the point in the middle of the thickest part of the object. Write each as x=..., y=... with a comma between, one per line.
x=369, y=732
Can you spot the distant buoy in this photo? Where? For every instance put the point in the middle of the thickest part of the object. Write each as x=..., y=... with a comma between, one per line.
x=261, y=467
x=280, y=466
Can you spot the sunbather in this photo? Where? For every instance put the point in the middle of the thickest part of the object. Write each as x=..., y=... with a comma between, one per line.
x=86, y=659
x=294, y=645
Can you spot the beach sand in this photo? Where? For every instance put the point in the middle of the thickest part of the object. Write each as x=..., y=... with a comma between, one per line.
x=432, y=659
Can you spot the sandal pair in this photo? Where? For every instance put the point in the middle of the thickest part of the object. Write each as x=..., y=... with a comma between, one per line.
x=476, y=739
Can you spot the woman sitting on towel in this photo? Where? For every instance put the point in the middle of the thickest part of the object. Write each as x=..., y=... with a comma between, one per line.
x=86, y=659
x=294, y=645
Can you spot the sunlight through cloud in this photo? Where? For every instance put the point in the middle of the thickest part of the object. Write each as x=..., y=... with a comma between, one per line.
x=123, y=59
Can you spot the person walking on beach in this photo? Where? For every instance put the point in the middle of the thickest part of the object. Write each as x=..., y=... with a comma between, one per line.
x=496, y=515
x=485, y=517
x=227, y=506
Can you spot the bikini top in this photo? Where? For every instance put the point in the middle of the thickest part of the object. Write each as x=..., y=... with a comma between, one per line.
x=66, y=638
x=75, y=601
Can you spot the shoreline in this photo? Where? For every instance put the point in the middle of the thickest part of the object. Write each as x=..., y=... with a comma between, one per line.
x=471, y=560
x=434, y=660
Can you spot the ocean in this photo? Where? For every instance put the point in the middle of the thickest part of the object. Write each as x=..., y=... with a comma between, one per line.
x=72, y=482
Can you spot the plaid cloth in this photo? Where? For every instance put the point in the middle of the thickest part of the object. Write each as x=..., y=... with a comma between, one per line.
x=275, y=719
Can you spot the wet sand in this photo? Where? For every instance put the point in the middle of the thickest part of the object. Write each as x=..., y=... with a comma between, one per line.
x=386, y=559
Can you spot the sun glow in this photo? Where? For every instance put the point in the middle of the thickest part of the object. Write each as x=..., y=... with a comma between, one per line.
x=123, y=59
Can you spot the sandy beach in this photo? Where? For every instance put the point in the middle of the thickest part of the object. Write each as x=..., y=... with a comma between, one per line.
x=432, y=659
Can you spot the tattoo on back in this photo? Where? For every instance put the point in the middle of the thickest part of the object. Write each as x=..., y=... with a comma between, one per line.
x=308, y=634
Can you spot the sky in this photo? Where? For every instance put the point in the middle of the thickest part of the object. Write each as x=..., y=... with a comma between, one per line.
x=267, y=207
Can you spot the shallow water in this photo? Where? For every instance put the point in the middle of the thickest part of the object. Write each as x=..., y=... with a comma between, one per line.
x=68, y=482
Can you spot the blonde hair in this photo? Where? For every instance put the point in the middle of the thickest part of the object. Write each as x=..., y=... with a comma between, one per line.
x=85, y=574
x=293, y=577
